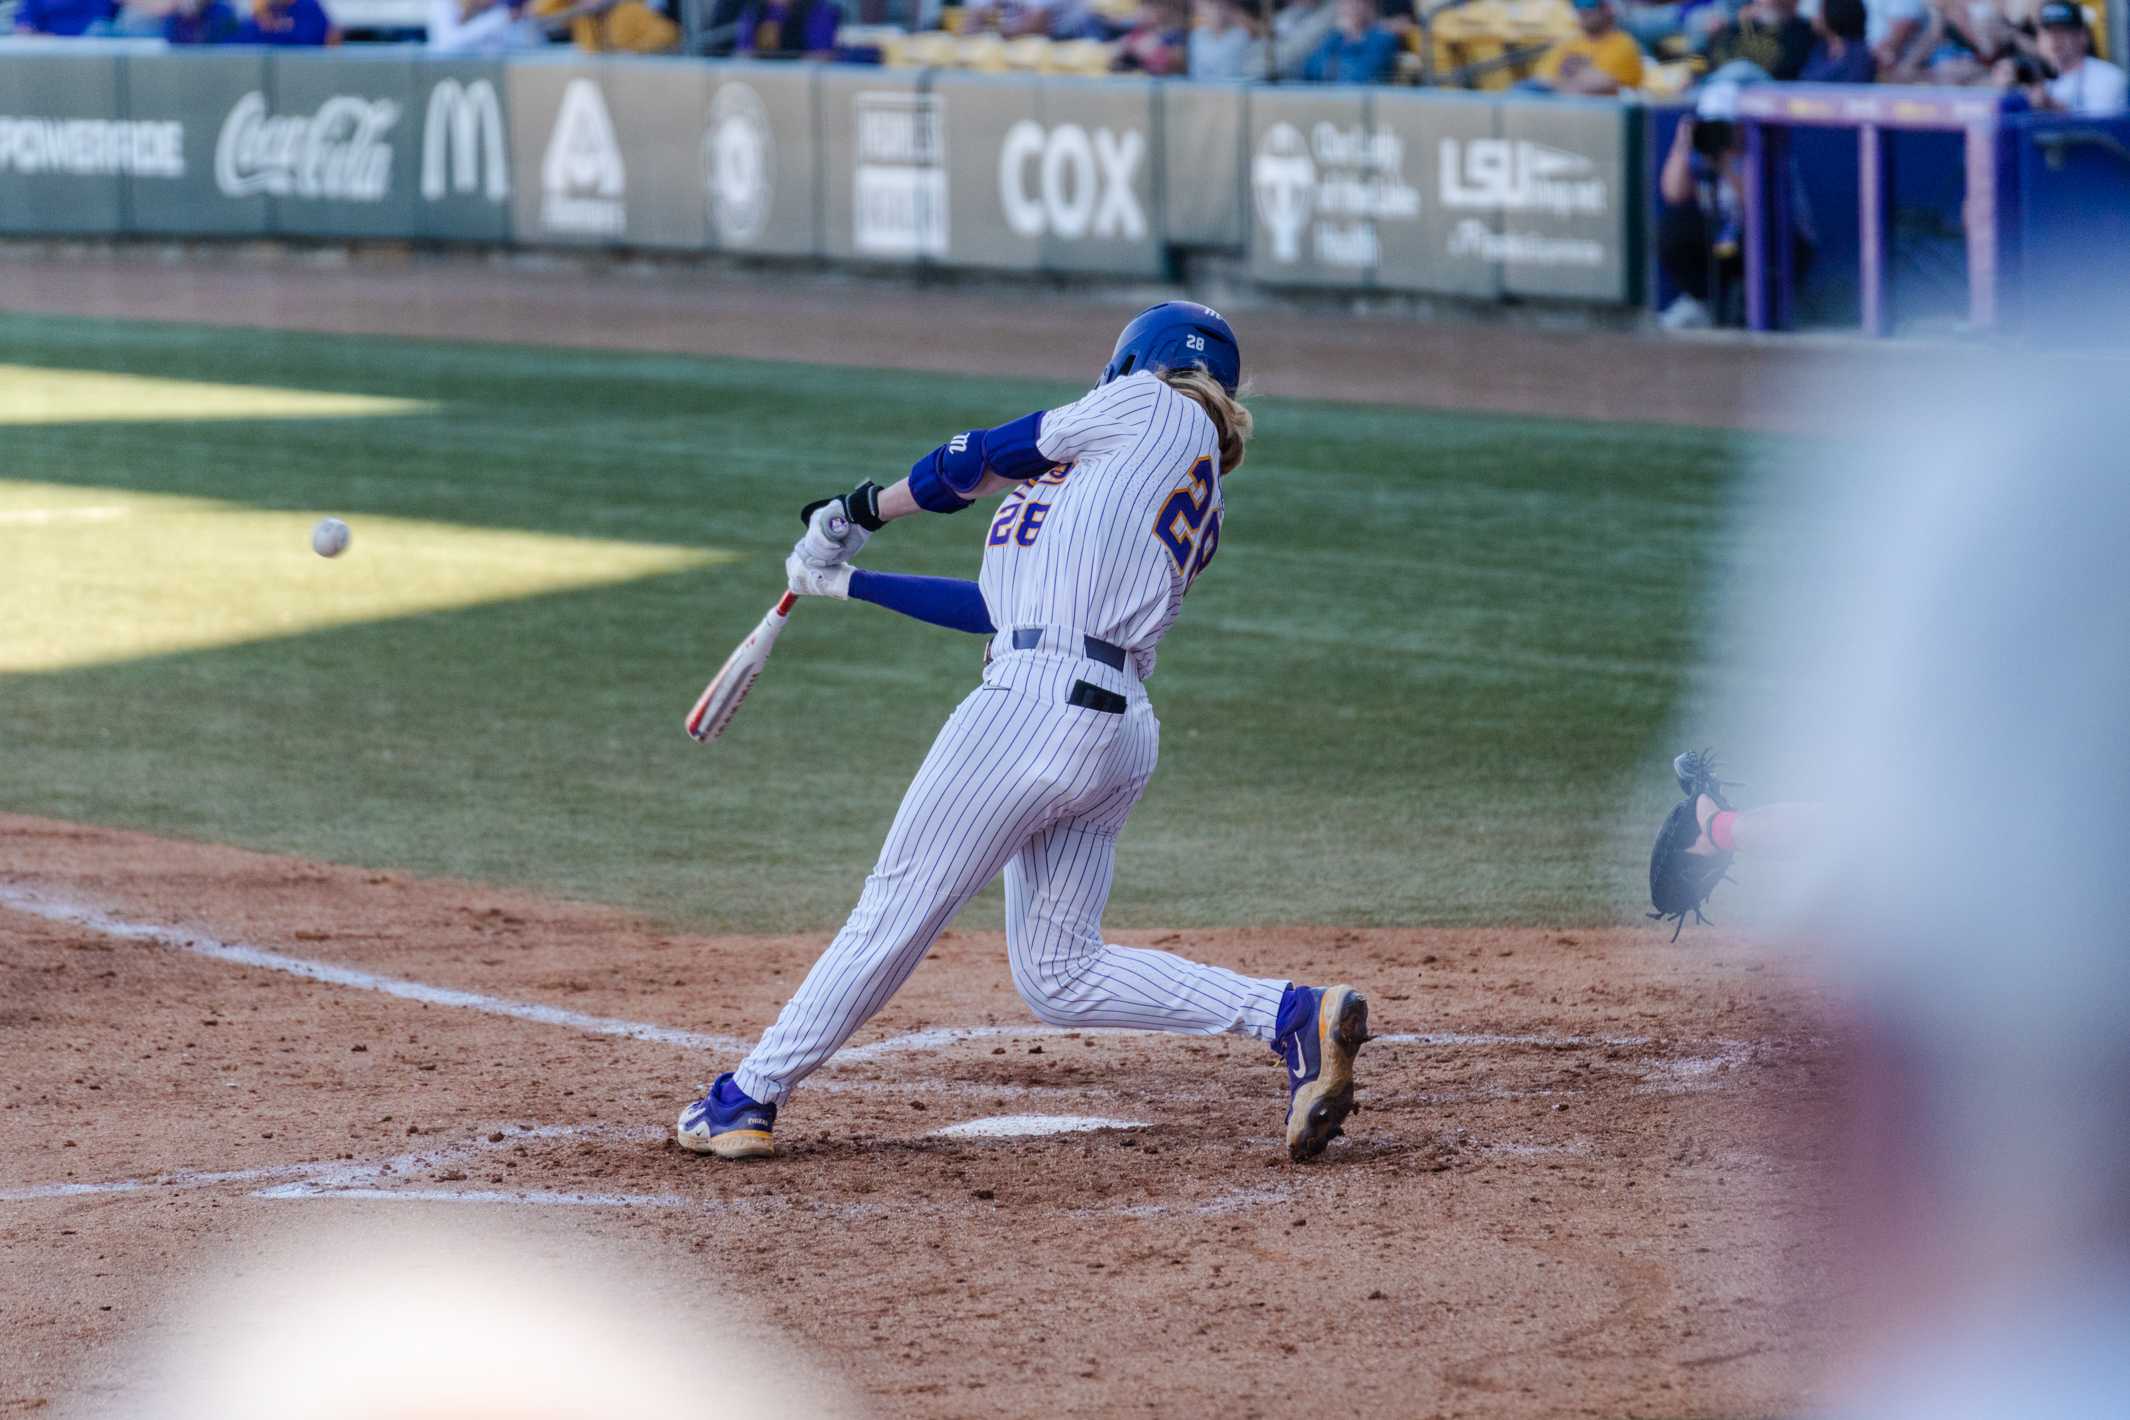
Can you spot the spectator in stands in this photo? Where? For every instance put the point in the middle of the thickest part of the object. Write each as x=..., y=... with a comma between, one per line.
x=1360, y=49
x=2082, y=84
x=788, y=29
x=1673, y=29
x=199, y=22
x=610, y=26
x=481, y=27
x=291, y=23
x=1841, y=56
x=1059, y=19
x=1225, y=43
x=1958, y=42
x=1298, y=30
x=68, y=18
x=1603, y=59
x=1893, y=29
x=1769, y=33
x=1160, y=42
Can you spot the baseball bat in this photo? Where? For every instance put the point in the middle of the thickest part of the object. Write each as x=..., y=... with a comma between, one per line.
x=720, y=699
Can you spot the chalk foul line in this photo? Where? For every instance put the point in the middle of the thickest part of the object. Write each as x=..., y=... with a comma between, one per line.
x=1688, y=1075
x=239, y=954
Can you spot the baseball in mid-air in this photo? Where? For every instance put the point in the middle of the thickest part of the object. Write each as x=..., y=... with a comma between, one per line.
x=330, y=537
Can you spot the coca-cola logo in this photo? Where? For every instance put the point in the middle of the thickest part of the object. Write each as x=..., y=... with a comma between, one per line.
x=337, y=153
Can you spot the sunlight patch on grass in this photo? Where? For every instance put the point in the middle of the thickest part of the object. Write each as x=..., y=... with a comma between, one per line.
x=32, y=394
x=92, y=576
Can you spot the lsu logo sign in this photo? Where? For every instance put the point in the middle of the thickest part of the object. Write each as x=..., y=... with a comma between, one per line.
x=1072, y=182
x=1501, y=175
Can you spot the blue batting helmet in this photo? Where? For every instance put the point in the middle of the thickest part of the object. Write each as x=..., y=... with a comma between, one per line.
x=1176, y=335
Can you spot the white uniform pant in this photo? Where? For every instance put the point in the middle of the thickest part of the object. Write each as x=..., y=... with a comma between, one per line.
x=1017, y=780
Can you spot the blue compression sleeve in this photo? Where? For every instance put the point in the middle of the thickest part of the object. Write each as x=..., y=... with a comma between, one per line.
x=942, y=601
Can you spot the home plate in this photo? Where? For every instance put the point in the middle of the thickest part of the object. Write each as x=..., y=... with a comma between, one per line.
x=1020, y=1126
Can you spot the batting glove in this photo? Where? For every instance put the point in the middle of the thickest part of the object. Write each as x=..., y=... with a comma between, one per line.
x=809, y=579
x=859, y=512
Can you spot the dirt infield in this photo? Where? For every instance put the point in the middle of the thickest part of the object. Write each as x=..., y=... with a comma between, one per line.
x=1583, y=1181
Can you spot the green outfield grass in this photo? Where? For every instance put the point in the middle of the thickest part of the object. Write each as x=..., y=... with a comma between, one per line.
x=1423, y=683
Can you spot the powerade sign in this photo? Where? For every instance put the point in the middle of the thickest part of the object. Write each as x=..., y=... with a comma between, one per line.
x=92, y=147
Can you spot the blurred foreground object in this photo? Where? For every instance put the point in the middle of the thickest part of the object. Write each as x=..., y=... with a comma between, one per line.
x=395, y=1315
x=1941, y=650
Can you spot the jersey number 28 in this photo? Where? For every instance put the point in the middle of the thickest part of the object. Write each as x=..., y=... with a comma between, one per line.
x=1188, y=524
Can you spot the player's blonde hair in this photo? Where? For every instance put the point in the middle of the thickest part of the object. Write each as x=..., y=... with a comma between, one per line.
x=1232, y=421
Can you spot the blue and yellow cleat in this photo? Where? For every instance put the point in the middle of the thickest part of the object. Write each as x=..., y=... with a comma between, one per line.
x=727, y=1123
x=1330, y=1026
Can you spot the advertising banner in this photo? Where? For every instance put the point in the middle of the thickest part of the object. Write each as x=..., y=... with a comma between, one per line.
x=1203, y=160
x=463, y=184
x=65, y=149
x=1086, y=174
x=1560, y=184
x=330, y=143
x=1328, y=188
x=1447, y=247
x=191, y=94
x=658, y=107
x=996, y=215
x=757, y=159
x=569, y=180
x=884, y=149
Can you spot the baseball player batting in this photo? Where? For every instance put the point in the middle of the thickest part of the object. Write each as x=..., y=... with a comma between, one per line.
x=1112, y=510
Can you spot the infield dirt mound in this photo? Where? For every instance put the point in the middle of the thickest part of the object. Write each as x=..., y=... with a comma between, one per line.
x=1586, y=1177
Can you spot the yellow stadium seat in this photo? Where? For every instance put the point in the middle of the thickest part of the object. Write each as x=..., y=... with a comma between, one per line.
x=1082, y=56
x=985, y=54
x=1027, y=54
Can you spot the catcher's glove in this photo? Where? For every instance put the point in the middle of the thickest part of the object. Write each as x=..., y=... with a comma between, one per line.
x=1679, y=881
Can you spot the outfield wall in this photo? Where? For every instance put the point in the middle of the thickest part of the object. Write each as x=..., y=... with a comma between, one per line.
x=1350, y=189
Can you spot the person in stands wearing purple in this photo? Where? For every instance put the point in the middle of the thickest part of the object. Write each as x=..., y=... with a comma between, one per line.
x=287, y=22
x=1359, y=49
x=199, y=22
x=67, y=18
x=788, y=29
x=1840, y=56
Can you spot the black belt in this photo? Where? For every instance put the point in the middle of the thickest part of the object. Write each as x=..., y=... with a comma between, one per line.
x=1027, y=638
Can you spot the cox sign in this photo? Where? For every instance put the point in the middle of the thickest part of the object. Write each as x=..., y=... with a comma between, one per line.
x=1070, y=181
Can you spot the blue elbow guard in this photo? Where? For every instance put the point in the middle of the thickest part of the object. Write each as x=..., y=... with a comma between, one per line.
x=1010, y=451
x=942, y=480
x=929, y=484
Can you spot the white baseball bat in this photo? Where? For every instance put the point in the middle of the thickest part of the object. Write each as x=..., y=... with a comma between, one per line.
x=721, y=699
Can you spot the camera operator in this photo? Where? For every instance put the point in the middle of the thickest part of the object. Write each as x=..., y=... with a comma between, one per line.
x=1700, y=219
x=2082, y=84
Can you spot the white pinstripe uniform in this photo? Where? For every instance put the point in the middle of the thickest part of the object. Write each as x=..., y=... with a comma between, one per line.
x=1104, y=546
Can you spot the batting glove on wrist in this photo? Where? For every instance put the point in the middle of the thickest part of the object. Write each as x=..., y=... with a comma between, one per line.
x=809, y=579
x=831, y=537
x=858, y=517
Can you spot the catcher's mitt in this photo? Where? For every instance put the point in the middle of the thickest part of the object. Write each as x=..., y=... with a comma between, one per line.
x=1679, y=881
